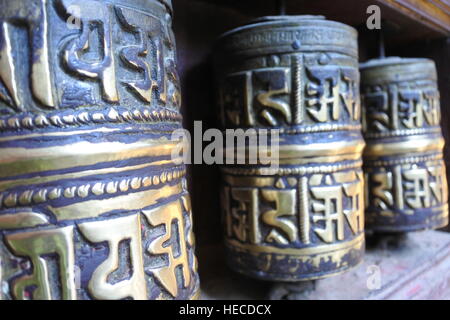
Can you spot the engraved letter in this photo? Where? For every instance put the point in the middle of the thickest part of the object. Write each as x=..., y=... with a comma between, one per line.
x=329, y=210
x=36, y=245
x=113, y=232
x=273, y=82
x=34, y=15
x=246, y=215
x=167, y=215
x=285, y=207
x=382, y=190
x=237, y=95
x=323, y=92
x=355, y=215
x=138, y=57
x=418, y=189
x=377, y=109
x=94, y=15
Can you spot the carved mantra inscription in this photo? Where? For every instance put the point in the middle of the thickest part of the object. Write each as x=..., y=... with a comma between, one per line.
x=401, y=106
x=407, y=187
x=49, y=258
x=291, y=213
x=118, y=55
x=297, y=95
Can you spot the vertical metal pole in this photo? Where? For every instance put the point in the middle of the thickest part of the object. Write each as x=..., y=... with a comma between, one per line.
x=381, y=47
x=281, y=7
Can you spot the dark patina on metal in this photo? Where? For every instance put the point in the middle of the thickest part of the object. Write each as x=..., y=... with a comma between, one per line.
x=298, y=77
x=406, y=185
x=92, y=204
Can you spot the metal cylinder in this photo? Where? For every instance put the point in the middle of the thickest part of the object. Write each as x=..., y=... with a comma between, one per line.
x=92, y=204
x=296, y=76
x=406, y=185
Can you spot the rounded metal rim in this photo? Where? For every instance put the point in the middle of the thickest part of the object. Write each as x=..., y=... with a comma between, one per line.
x=392, y=61
x=288, y=21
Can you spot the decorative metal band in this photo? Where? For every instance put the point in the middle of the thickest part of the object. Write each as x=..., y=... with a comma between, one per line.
x=403, y=160
x=112, y=116
x=410, y=145
x=316, y=128
x=41, y=195
x=303, y=170
x=92, y=204
x=394, y=70
x=402, y=133
x=406, y=184
x=285, y=34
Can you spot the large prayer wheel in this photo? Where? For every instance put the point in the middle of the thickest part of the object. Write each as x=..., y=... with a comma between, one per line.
x=92, y=203
x=297, y=77
x=406, y=185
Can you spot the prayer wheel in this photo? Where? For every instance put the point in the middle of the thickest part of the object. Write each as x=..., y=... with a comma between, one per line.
x=295, y=77
x=92, y=203
x=406, y=186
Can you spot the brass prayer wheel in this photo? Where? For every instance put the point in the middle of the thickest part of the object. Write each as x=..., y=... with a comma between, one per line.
x=297, y=76
x=406, y=185
x=92, y=205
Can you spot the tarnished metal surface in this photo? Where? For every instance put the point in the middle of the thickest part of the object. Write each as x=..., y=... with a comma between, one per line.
x=92, y=205
x=406, y=185
x=303, y=220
